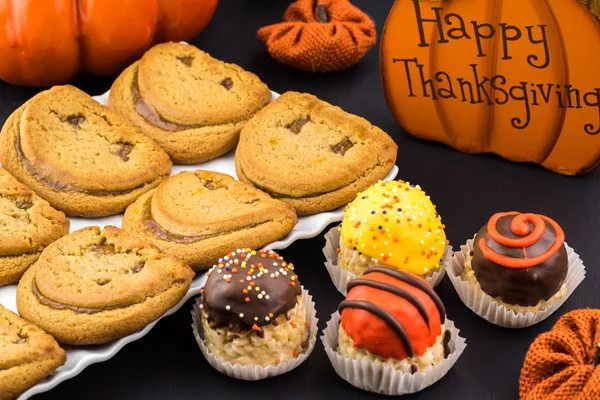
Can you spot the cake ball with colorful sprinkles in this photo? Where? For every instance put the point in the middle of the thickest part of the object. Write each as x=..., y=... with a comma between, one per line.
x=252, y=309
x=394, y=224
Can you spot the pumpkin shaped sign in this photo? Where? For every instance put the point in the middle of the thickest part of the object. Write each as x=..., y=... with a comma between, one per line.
x=47, y=42
x=516, y=78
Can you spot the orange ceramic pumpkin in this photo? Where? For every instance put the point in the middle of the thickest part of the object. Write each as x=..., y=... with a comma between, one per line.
x=516, y=78
x=47, y=42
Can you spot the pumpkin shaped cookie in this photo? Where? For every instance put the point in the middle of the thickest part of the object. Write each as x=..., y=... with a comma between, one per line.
x=199, y=216
x=78, y=155
x=312, y=155
x=193, y=105
x=321, y=36
x=98, y=285
x=562, y=364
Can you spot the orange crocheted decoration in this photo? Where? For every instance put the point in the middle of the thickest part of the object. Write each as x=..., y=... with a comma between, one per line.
x=563, y=364
x=320, y=35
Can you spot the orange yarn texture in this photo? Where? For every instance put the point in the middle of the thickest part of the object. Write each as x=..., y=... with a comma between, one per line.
x=562, y=364
x=320, y=35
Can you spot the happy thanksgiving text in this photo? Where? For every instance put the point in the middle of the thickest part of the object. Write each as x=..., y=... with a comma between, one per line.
x=479, y=88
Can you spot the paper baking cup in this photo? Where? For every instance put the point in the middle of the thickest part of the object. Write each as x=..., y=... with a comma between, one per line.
x=255, y=373
x=377, y=377
x=341, y=276
x=487, y=308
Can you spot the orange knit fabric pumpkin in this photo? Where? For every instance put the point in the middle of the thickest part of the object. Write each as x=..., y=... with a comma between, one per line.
x=320, y=35
x=563, y=364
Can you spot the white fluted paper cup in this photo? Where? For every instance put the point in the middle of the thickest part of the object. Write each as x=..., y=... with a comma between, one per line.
x=377, y=377
x=489, y=309
x=257, y=372
x=341, y=276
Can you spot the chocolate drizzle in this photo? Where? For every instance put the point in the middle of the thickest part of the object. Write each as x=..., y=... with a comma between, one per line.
x=413, y=281
x=385, y=315
x=519, y=286
x=394, y=290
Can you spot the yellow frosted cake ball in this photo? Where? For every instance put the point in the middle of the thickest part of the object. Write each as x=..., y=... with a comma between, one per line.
x=393, y=224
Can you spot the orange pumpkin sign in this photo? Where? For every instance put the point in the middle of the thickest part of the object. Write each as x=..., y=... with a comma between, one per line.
x=516, y=78
x=47, y=42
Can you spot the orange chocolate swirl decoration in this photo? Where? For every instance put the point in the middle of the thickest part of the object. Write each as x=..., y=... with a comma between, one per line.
x=521, y=258
x=520, y=226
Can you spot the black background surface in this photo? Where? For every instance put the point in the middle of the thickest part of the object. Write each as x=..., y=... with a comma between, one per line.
x=467, y=189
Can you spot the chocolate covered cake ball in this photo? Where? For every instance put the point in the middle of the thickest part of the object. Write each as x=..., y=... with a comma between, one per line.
x=520, y=260
x=393, y=317
x=253, y=311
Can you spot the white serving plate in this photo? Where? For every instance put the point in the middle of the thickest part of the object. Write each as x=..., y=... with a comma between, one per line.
x=79, y=357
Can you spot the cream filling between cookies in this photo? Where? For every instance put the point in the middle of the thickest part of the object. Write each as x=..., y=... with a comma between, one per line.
x=151, y=116
x=156, y=230
x=311, y=195
x=60, y=306
x=81, y=310
x=65, y=186
x=159, y=232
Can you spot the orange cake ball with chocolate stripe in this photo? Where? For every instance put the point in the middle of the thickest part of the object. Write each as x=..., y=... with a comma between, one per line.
x=393, y=317
x=393, y=224
x=253, y=311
